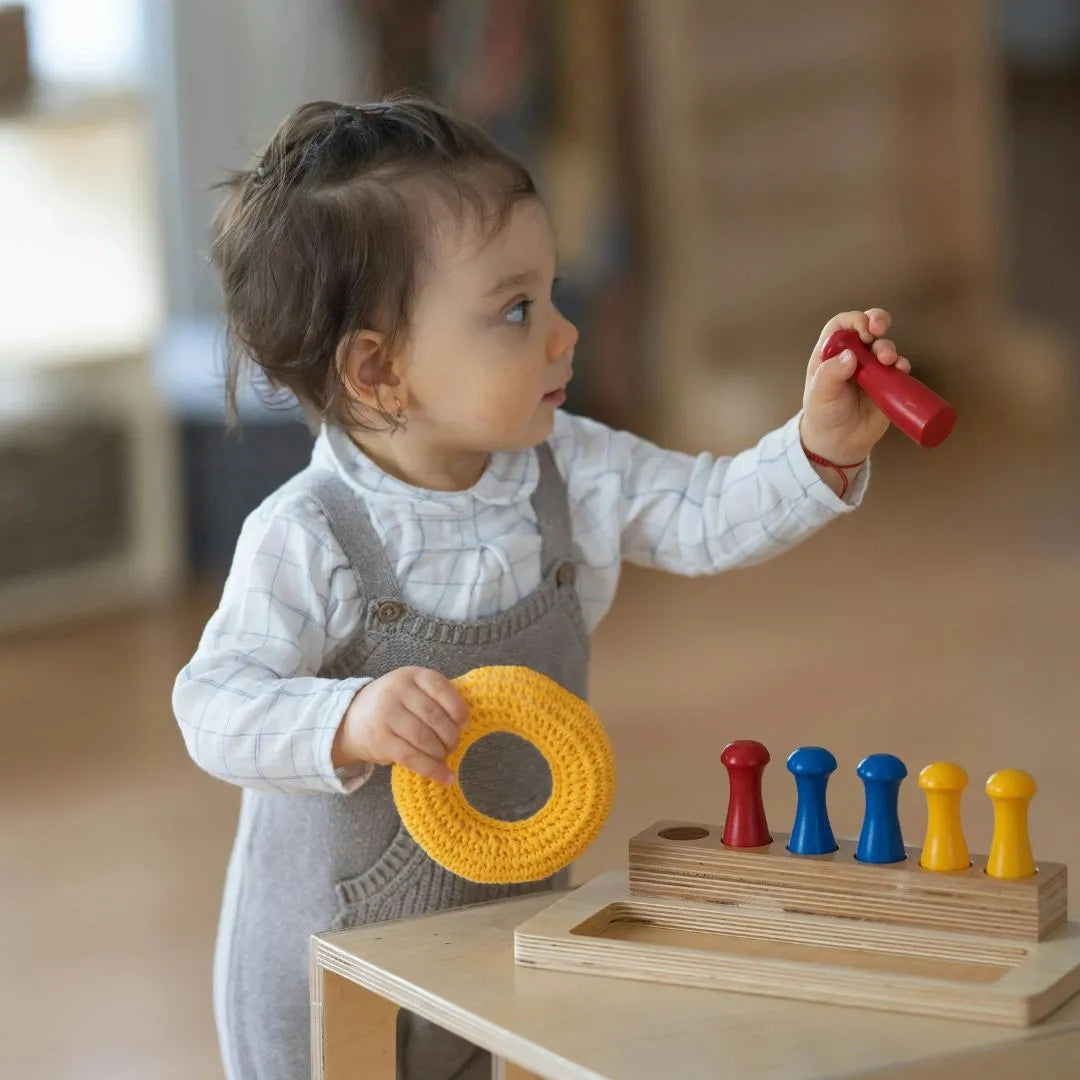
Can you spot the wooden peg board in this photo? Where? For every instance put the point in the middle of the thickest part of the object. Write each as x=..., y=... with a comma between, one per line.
x=687, y=860
x=603, y=929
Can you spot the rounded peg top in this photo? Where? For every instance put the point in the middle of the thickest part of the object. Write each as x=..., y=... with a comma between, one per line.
x=943, y=776
x=1011, y=784
x=744, y=754
x=884, y=767
x=811, y=761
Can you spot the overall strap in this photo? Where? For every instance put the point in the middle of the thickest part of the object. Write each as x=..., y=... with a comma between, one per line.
x=349, y=522
x=552, y=506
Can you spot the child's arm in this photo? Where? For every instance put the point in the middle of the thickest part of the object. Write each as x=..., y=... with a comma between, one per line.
x=250, y=705
x=693, y=514
x=700, y=514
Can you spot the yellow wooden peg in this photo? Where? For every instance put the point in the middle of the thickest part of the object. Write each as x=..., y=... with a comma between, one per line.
x=944, y=847
x=1010, y=851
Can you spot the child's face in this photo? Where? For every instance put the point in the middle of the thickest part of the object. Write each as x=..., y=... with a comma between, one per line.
x=489, y=355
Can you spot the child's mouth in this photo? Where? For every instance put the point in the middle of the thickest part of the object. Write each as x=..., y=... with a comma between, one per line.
x=556, y=397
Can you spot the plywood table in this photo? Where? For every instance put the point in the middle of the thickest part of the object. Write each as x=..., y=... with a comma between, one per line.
x=457, y=969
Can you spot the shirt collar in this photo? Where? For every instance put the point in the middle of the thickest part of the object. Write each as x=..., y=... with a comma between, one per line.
x=510, y=477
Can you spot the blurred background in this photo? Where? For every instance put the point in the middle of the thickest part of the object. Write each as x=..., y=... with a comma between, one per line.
x=724, y=177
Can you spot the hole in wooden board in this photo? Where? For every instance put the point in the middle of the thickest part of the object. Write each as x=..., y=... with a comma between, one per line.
x=684, y=832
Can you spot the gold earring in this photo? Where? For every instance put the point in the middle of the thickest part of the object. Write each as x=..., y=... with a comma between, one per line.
x=400, y=419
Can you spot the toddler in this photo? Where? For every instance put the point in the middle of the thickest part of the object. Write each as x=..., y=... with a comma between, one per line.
x=393, y=269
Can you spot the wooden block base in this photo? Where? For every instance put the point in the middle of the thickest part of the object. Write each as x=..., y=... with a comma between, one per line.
x=604, y=929
x=681, y=859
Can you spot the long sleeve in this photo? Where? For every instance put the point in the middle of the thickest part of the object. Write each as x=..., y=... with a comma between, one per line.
x=683, y=513
x=249, y=704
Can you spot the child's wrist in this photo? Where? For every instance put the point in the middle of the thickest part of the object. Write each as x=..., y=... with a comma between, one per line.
x=832, y=452
x=836, y=451
x=340, y=755
x=345, y=751
x=838, y=474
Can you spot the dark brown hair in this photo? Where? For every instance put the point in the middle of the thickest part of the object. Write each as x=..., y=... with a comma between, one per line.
x=325, y=235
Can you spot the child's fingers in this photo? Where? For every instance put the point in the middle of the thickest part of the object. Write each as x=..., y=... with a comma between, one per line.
x=851, y=320
x=829, y=379
x=433, y=732
x=403, y=752
x=885, y=351
x=410, y=728
x=878, y=321
x=442, y=690
x=846, y=320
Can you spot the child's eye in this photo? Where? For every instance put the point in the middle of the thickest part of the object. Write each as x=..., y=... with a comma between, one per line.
x=518, y=315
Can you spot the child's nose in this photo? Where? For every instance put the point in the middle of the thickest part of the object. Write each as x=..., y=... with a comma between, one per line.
x=563, y=339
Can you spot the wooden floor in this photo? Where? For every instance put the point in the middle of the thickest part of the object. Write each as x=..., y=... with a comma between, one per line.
x=941, y=621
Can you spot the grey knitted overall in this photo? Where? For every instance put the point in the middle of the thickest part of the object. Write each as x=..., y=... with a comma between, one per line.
x=308, y=863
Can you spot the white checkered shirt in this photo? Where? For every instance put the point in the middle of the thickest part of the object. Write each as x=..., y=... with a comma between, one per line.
x=250, y=705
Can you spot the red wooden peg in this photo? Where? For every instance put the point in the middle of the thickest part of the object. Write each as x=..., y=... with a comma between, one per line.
x=909, y=404
x=745, y=761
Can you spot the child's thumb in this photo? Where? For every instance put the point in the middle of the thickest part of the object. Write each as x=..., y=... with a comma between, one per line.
x=830, y=377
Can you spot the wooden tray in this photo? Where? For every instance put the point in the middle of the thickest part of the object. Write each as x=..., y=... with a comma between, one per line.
x=602, y=929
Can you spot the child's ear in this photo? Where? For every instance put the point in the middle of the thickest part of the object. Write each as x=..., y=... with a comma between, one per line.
x=364, y=366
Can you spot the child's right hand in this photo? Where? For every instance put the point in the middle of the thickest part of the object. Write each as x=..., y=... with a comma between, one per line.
x=412, y=716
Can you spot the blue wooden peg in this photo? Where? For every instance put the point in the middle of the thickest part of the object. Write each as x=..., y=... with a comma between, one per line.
x=811, y=834
x=881, y=840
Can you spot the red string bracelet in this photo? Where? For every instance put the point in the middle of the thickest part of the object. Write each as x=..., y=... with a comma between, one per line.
x=819, y=460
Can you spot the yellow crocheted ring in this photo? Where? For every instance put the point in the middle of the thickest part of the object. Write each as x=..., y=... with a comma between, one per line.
x=572, y=740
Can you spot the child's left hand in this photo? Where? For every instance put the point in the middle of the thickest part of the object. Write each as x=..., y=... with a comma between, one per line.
x=840, y=422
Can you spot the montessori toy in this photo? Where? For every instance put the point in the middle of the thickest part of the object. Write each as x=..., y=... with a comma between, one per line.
x=909, y=404
x=575, y=745
x=867, y=921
